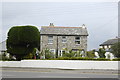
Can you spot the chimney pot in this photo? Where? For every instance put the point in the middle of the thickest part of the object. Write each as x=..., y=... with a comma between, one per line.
x=51, y=24
x=83, y=26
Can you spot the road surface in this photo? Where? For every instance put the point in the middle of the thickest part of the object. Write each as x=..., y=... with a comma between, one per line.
x=56, y=73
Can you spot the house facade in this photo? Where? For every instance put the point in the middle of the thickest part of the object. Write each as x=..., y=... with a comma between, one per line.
x=56, y=38
x=3, y=47
x=107, y=47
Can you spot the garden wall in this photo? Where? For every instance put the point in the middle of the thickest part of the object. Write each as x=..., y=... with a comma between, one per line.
x=62, y=64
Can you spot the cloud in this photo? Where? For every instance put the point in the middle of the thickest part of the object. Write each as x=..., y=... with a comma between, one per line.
x=100, y=18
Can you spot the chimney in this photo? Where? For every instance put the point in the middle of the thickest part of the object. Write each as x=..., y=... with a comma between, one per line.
x=83, y=26
x=51, y=24
x=116, y=36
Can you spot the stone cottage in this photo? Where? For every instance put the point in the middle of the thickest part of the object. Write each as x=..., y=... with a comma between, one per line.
x=107, y=47
x=56, y=38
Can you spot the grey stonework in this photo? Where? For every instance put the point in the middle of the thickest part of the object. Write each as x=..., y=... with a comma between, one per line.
x=70, y=44
x=57, y=38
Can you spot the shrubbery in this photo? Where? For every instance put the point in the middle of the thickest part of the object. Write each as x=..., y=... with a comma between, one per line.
x=80, y=58
x=116, y=49
x=90, y=54
x=117, y=59
x=69, y=54
x=6, y=57
x=48, y=54
x=22, y=40
x=102, y=53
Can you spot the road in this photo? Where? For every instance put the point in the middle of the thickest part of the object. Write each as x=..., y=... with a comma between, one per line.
x=56, y=73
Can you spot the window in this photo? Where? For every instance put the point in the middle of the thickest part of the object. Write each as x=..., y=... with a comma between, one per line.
x=64, y=40
x=60, y=53
x=52, y=50
x=63, y=51
x=50, y=39
x=109, y=46
x=77, y=40
x=75, y=50
x=53, y=53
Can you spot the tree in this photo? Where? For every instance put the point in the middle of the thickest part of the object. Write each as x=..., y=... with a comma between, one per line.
x=90, y=54
x=22, y=40
x=116, y=49
x=101, y=53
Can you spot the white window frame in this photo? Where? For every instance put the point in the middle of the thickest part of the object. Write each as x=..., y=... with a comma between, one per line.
x=50, y=41
x=61, y=53
x=105, y=46
x=53, y=50
x=64, y=40
x=109, y=46
x=78, y=40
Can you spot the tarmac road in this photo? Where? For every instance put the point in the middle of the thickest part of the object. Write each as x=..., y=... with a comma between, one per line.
x=56, y=73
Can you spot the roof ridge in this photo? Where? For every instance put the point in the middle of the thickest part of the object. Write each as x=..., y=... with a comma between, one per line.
x=64, y=30
x=113, y=38
x=60, y=27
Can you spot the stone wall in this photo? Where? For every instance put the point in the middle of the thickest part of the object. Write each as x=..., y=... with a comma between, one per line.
x=70, y=44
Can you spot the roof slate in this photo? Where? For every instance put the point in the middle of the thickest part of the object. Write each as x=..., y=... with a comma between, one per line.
x=63, y=30
x=110, y=42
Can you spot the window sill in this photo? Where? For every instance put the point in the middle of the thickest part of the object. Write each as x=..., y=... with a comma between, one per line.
x=64, y=42
x=50, y=43
x=77, y=44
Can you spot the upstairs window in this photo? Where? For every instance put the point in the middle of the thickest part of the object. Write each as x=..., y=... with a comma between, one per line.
x=50, y=39
x=77, y=40
x=64, y=39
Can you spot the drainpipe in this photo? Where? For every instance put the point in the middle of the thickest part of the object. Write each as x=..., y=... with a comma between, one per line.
x=57, y=48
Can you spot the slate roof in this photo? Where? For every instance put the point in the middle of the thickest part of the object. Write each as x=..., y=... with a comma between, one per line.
x=110, y=42
x=56, y=30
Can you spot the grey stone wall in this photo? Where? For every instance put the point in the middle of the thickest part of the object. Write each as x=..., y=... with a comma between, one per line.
x=70, y=44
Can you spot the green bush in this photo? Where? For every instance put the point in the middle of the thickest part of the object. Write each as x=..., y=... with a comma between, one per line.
x=101, y=53
x=80, y=58
x=102, y=59
x=71, y=53
x=116, y=49
x=4, y=57
x=117, y=59
x=48, y=54
x=90, y=54
x=22, y=40
x=29, y=56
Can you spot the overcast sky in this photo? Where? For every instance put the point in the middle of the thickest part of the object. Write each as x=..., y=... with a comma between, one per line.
x=100, y=18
